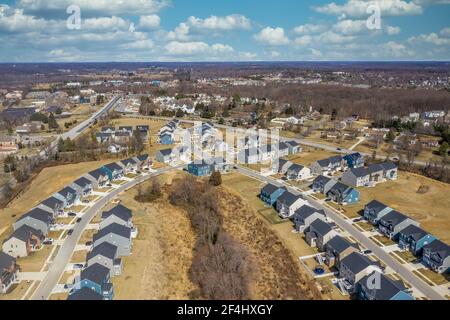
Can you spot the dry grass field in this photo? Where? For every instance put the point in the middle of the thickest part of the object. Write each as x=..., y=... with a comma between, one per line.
x=310, y=155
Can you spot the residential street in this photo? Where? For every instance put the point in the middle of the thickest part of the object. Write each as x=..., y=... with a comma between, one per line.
x=405, y=273
x=65, y=252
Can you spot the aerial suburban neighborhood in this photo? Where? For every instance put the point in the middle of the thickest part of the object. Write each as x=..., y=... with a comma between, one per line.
x=225, y=157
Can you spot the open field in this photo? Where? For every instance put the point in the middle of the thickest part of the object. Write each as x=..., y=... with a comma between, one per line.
x=430, y=209
x=35, y=261
x=406, y=255
x=310, y=155
x=383, y=240
x=437, y=278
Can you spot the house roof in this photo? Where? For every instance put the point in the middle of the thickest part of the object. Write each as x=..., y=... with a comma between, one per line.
x=373, y=168
x=97, y=173
x=296, y=168
x=53, y=203
x=24, y=233
x=104, y=249
x=85, y=294
x=339, y=244
x=113, y=166
x=387, y=290
x=128, y=161
x=113, y=228
x=165, y=152
x=394, y=218
x=82, y=182
x=359, y=172
x=282, y=146
x=439, y=247
x=66, y=191
x=142, y=157
x=321, y=227
x=415, y=232
x=270, y=188
x=322, y=179
x=292, y=143
x=389, y=165
x=38, y=214
x=353, y=156
x=96, y=273
x=5, y=261
x=127, y=128
x=119, y=211
x=376, y=206
x=288, y=198
x=328, y=161
x=340, y=187
x=307, y=211
x=356, y=262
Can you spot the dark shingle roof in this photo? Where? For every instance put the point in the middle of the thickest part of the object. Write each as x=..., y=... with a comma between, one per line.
x=306, y=211
x=119, y=211
x=66, y=191
x=415, y=232
x=394, y=218
x=85, y=294
x=322, y=179
x=339, y=244
x=376, y=205
x=269, y=188
x=96, y=273
x=296, y=168
x=321, y=227
x=97, y=173
x=288, y=198
x=374, y=168
x=83, y=182
x=142, y=157
x=113, y=166
x=104, y=249
x=387, y=290
x=5, y=261
x=115, y=229
x=38, y=214
x=439, y=247
x=388, y=165
x=128, y=161
x=359, y=172
x=53, y=203
x=24, y=233
x=356, y=262
x=165, y=152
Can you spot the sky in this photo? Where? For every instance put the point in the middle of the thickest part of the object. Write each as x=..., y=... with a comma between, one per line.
x=224, y=30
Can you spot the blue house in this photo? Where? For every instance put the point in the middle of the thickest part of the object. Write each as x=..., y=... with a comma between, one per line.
x=436, y=256
x=414, y=239
x=97, y=277
x=388, y=289
x=113, y=170
x=343, y=194
x=166, y=139
x=270, y=193
x=354, y=160
x=199, y=169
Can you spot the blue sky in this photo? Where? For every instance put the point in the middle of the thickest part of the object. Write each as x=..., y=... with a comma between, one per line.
x=225, y=30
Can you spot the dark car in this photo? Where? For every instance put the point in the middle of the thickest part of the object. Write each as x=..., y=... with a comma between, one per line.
x=79, y=220
x=89, y=243
x=70, y=232
x=72, y=214
x=367, y=251
x=339, y=149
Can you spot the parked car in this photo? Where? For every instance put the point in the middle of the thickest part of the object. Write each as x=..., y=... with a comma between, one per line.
x=89, y=243
x=78, y=266
x=85, y=201
x=48, y=242
x=367, y=251
x=79, y=220
x=72, y=214
x=109, y=185
x=70, y=232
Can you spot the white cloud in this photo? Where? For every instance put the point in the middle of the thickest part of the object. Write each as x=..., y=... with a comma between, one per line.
x=445, y=32
x=149, y=22
x=14, y=20
x=391, y=30
x=432, y=38
x=105, y=24
x=247, y=55
x=181, y=33
x=309, y=28
x=272, y=36
x=231, y=22
x=349, y=27
x=177, y=48
x=140, y=44
x=303, y=40
x=331, y=37
x=358, y=8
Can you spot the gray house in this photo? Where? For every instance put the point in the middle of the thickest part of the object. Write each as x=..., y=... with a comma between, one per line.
x=117, y=235
x=119, y=214
x=129, y=165
x=327, y=166
x=388, y=290
x=106, y=255
x=98, y=177
x=393, y=222
x=282, y=166
x=23, y=241
x=355, y=267
x=37, y=219
x=143, y=161
x=436, y=256
x=69, y=195
x=8, y=272
x=294, y=147
x=356, y=177
x=298, y=172
x=164, y=156
x=323, y=184
x=53, y=205
x=306, y=215
x=288, y=203
x=319, y=234
x=83, y=185
x=375, y=210
x=337, y=249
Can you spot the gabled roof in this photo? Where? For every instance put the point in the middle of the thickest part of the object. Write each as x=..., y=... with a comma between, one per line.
x=353, y=156
x=322, y=179
x=66, y=191
x=296, y=168
x=340, y=187
x=142, y=157
x=415, y=232
x=321, y=227
x=119, y=211
x=328, y=161
x=25, y=232
x=288, y=198
x=357, y=262
x=85, y=294
x=388, y=165
x=38, y=214
x=97, y=173
x=113, y=166
x=53, y=203
x=372, y=168
x=359, y=172
x=387, y=290
x=113, y=228
x=307, y=211
x=339, y=244
x=104, y=249
x=95, y=273
x=127, y=128
x=128, y=161
x=83, y=182
x=439, y=247
x=270, y=188
x=165, y=152
x=394, y=218
x=376, y=206
x=5, y=261
x=282, y=146
x=292, y=143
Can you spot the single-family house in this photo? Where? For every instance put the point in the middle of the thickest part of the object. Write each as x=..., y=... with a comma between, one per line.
x=270, y=193
x=144, y=162
x=69, y=196
x=113, y=170
x=97, y=277
x=298, y=172
x=356, y=177
x=390, y=170
x=294, y=147
x=323, y=184
x=288, y=203
x=166, y=138
x=8, y=272
x=83, y=185
x=23, y=241
x=387, y=289
x=37, y=219
x=117, y=235
x=413, y=238
x=110, y=130
x=281, y=166
x=375, y=210
x=319, y=233
x=393, y=222
x=129, y=165
x=283, y=149
x=53, y=205
x=165, y=156
x=98, y=177
x=306, y=215
x=249, y=156
x=343, y=194
x=436, y=256
x=103, y=137
x=376, y=172
x=355, y=267
x=327, y=166
x=106, y=255
x=337, y=249
x=85, y=294
x=119, y=214
x=354, y=160
x=128, y=129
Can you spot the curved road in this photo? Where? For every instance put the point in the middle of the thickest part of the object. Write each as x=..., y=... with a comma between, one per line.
x=65, y=252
